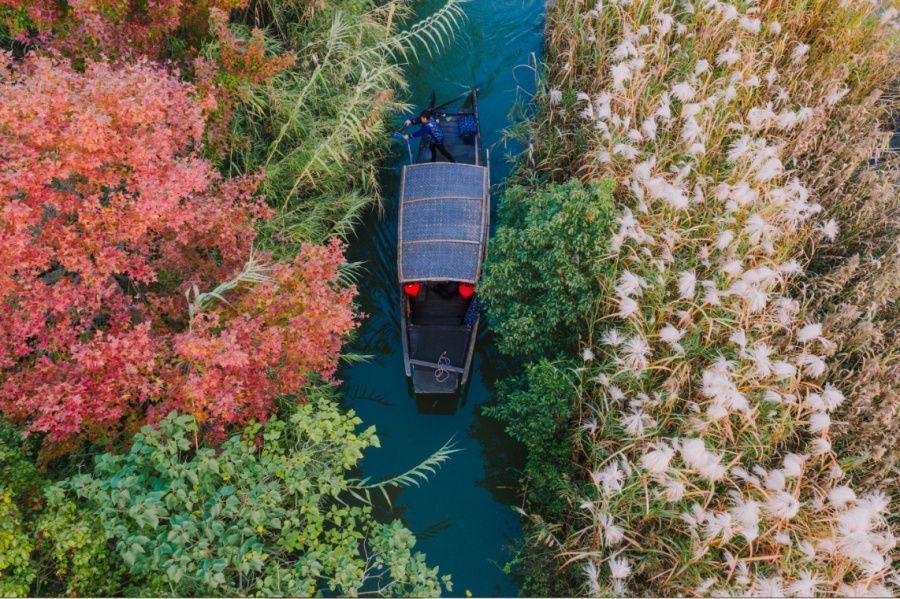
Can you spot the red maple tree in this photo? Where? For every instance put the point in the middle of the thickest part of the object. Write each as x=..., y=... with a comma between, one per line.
x=109, y=215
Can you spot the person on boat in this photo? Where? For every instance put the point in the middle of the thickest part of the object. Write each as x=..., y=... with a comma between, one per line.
x=430, y=127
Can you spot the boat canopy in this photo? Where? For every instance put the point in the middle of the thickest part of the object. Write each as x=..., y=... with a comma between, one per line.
x=443, y=222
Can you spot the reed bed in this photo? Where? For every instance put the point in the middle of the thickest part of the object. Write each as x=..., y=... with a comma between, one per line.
x=739, y=138
x=319, y=130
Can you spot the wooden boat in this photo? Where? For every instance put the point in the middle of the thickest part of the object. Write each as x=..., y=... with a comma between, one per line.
x=442, y=239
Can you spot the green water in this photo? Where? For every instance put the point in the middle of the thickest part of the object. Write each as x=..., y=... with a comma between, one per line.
x=462, y=517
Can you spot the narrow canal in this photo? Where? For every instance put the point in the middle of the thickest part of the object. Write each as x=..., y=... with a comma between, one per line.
x=462, y=517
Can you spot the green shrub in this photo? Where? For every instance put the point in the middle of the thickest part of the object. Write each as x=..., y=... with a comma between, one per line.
x=264, y=514
x=73, y=551
x=541, y=277
x=16, y=569
x=537, y=408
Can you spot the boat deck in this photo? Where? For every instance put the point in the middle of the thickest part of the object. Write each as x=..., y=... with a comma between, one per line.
x=461, y=150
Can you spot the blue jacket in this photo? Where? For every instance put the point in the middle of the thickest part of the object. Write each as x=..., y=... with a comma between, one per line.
x=431, y=128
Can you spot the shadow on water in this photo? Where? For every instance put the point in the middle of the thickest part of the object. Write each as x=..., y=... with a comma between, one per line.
x=462, y=516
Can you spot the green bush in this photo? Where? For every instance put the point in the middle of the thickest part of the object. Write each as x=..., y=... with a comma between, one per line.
x=541, y=277
x=16, y=568
x=267, y=513
x=537, y=408
x=72, y=549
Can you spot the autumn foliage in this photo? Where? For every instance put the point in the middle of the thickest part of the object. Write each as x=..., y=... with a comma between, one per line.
x=109, y=215
x=115, y=28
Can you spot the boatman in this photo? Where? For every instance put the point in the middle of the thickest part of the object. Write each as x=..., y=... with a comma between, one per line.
x=430, y=127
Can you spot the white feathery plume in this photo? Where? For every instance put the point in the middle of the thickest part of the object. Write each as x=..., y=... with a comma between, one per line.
x=636, y=352
x=782, y=505
x=695, y=456
x=769, y=169
x=836, y=96
x=657, y=459
x=819, y=422
x=712, y=295
x=757, y=228
x=792, y=465
x=739, y=338
x=620, y=73
x=673, y=490
x=743, y=194
x=612, y=338
x=759, y=355
x=768, y=587
x=840, y=496
x=751, y=25
x=832, y=397
x=760, y=117
x=773, y=396
x=615, y=393
x=671, y=335
x=820, y=446
x=799, y=52
x=811, y=364
x=691, y=130
x=787, y=120
x=613, y=534
x=806, y=585
x=637, y=422
x=619, y=568
x=592, y=573
x=783, y=370
x=809, y=332
x=691, y=110
x=626, y=151
x=556, y=97
x=728, y=56
x=683, y=91
x=630, y=284
x=627, y=307
x=718, y=524
x=830, y=229
x=648, y=127
x=725, y=396
x=687, y=283
x=610, y=478
x=774, y=480
x=746, y=514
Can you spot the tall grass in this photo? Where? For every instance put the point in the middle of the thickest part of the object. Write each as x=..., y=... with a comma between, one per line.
x=318, y=130
x=736, y=132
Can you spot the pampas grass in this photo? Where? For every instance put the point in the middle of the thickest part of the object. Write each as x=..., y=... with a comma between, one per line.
x=733, y=132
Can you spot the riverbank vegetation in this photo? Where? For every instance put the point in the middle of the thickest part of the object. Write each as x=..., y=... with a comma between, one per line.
x=709, y=385
x=176, y=181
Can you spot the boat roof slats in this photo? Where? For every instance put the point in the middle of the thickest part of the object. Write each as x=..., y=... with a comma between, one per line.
x=442, y=238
